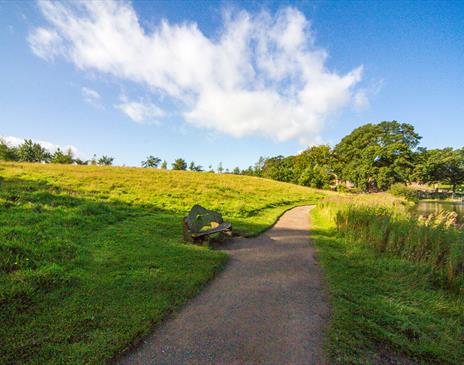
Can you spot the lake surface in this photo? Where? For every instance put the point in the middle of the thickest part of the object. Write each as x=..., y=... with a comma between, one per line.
x=427, y=207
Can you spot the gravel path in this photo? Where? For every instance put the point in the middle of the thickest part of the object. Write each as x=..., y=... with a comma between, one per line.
x=267, y=307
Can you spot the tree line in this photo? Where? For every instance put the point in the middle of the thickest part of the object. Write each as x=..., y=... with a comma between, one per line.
x=372, y=157
x=181, y=164
x=30, y=151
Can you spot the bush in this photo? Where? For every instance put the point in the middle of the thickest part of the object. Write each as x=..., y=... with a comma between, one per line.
x=403, y=191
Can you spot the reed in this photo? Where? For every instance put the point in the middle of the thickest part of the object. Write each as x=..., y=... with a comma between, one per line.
x=386, y=224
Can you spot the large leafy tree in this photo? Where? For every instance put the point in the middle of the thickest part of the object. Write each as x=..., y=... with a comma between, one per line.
x=377, y=155
x=314, y=167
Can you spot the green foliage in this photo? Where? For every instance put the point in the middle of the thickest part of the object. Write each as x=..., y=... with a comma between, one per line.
x=312, y=167
x=91, y=257
x=403, y=191
x=78, y=161
x=64, y=158
x=257, y=169
x=7, y=152
x=151, y=161
x=164, y=165
x=193, y=167
x=375, y=156
x=29, y=151
x=385, y=310
x=441, y=165
x=179, y=164
x=105, y=161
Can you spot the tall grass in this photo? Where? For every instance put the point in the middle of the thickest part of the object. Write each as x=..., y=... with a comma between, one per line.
x=387, y=225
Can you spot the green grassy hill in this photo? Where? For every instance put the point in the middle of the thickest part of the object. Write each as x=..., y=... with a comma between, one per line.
x=92, y=257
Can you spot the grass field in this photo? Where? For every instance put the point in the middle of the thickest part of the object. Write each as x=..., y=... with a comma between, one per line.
x=390, y=305
x=91, y=257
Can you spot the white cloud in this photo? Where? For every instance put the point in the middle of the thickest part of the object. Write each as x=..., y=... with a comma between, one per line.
x=360, y=101
x=140, y=112
x=261, y=75
x=91, y=96
x=361, y=97
x=15, y=141
x=45, y=43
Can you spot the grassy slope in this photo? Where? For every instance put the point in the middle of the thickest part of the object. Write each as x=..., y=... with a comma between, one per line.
x=91, y=257
x=385, y=310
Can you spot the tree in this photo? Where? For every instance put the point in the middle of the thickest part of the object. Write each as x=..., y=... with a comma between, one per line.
x=164, y=165
x=179, y=164
x=314, y=167
x=7, y=152
x=236, y=170
x=63, y=158
x=220, y=169
x=375, y=156
x=29, y=151
x=441, y=165
x=278, y=168
x=151, y=161
x=259, y=166
x=105, y=161
x=78, y=161
x=193, y=167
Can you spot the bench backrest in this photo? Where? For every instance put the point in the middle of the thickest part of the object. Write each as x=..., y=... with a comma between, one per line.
x=200, y=217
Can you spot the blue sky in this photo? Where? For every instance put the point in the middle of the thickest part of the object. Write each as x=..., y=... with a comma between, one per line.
x=227, y=81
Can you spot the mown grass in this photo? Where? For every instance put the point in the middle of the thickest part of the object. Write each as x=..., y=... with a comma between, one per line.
x=91, y=257
x=387, y=308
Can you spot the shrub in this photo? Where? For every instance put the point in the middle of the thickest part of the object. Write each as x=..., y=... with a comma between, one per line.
x=403, y=191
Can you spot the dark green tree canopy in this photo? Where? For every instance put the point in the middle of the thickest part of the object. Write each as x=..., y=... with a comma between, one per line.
x=440, y=165
x=312, y=167
x=377, y=155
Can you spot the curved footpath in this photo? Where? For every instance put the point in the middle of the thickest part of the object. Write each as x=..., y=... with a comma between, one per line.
x=267, y=307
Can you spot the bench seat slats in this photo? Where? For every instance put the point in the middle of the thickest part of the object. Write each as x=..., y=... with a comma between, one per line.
x=222, y=227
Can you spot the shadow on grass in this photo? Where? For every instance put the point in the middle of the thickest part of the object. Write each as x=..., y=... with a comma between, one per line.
x=82, y=276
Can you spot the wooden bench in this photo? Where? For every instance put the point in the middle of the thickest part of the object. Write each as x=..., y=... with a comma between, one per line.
x=201, y=223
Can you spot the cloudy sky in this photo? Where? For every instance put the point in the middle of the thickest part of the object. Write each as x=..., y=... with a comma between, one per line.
x=226, y=81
